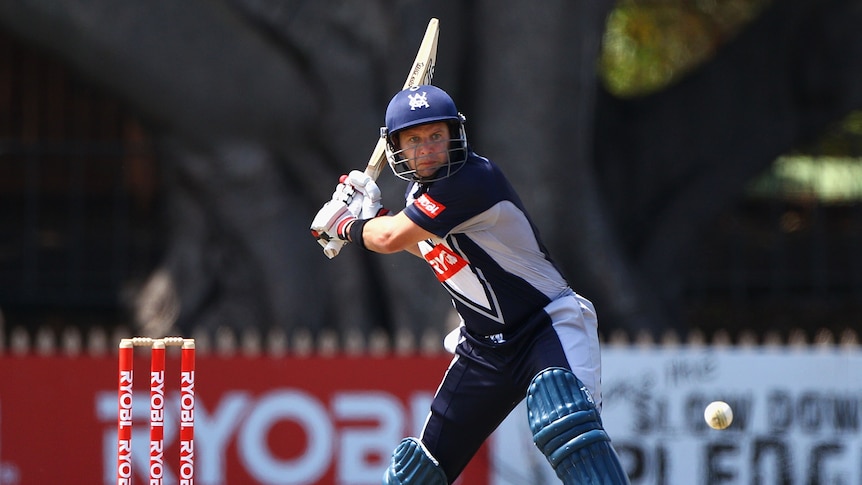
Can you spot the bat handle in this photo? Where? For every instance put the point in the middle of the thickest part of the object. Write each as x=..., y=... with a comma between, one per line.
x=333, y=247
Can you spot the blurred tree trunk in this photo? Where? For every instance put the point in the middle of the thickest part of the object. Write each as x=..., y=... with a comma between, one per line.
x=258, y=105
x=534, y=103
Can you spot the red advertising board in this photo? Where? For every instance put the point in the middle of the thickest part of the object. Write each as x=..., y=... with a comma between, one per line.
x=257, y=420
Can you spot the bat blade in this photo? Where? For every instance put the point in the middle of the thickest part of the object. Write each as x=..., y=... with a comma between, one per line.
x=426, y=58
x=421, y=72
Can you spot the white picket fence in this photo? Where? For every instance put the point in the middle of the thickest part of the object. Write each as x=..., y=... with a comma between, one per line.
x=71, y=341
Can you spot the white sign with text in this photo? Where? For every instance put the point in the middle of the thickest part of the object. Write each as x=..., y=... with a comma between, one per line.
x=796, y=418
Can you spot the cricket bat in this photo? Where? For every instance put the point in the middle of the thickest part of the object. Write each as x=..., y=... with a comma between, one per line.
x=421, y=72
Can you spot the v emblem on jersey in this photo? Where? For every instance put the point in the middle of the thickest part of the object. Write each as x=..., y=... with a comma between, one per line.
x=444, y=262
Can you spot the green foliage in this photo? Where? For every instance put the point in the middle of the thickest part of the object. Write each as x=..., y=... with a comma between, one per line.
x=801, y=178
x=650, y=43
x=828, y=171
x=844, y=137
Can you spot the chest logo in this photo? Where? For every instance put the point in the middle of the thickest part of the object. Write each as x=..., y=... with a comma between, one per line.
x=444, y=262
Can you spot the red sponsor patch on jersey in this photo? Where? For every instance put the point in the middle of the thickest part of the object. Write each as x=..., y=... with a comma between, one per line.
x=444, y=262
x=429, y=206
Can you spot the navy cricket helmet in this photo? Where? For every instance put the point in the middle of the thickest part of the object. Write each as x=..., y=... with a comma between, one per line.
x=416, y=106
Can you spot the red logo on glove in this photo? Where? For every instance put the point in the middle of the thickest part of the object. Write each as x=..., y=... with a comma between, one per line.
x=444, y=262
x=429, y=206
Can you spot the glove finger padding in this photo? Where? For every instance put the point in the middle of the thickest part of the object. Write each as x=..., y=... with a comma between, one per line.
x=356, y=203
x=343, y=191
x=364, y=184
x=371, y=208
x=349, y=195
x=372, y=204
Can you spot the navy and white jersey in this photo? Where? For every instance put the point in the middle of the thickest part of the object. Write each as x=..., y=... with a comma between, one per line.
x=486, y=253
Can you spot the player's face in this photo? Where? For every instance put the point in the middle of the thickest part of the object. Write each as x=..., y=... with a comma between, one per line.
x=426, y=147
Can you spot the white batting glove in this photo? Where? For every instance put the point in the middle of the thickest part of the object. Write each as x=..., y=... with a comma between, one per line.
x=372, y=203
x=331, y=221
x=357, y=196
x=330, y=224
x=349, y=195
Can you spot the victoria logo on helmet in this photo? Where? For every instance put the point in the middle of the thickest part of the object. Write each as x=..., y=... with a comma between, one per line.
x=418, y=100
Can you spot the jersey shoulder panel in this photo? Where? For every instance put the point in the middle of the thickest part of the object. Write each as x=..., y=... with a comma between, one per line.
x=441, y=206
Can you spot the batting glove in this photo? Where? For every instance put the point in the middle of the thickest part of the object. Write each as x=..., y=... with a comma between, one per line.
x=331, y=222
x=357, y=196
x=372, y=199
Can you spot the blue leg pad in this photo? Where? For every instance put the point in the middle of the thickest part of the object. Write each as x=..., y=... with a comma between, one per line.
x=412, y=464
x=567, y=428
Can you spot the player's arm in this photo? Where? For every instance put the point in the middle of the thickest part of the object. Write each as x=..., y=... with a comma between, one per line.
x=389, y=234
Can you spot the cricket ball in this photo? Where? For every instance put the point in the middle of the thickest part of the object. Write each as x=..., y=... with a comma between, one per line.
x=718, y=415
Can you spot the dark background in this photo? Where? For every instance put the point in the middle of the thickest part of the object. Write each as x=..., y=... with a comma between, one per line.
x=160, y=161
